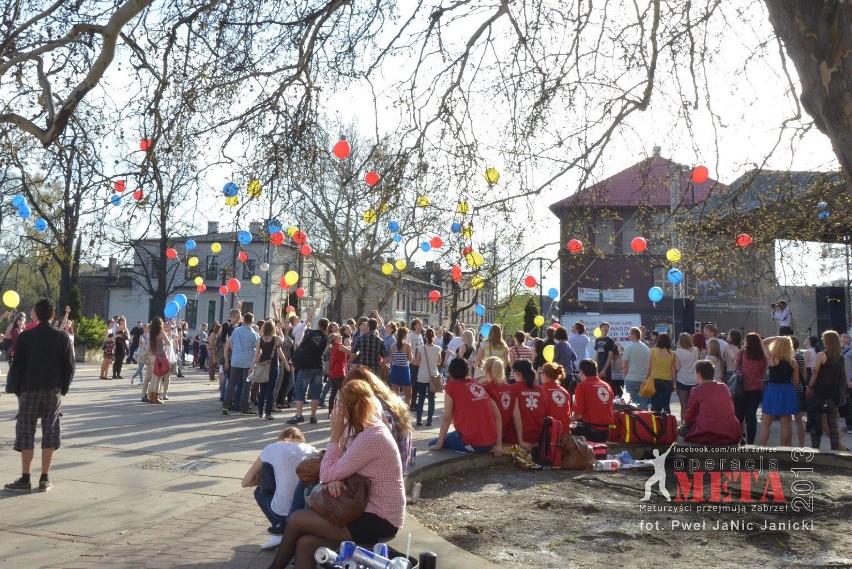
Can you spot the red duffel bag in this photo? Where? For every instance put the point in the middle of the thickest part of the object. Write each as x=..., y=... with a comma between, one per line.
x=643, y=427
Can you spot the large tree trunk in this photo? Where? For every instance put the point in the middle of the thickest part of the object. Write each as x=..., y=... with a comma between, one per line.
x=817, y=36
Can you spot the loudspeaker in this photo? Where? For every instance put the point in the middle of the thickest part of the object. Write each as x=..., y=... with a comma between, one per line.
x=831, y=309
x=684, y=317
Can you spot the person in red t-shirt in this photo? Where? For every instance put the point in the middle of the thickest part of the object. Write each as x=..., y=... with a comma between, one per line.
x=474, y=414
x=592, y=404
x=529, y=409
x=337, y=365
x=557, y=400
x=494, y=382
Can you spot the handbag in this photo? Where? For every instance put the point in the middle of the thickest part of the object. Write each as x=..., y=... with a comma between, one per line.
x=308, y=470
x=648, y=388
x=735, y=384
x=435, y=383
x=346, y=508
x=260, y=372
x=577, y=453
x=162, y=366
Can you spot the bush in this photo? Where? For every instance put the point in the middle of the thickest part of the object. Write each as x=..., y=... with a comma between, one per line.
x=90, y=332
x=75, y=302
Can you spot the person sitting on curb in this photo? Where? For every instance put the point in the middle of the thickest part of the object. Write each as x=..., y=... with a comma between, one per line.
x=710, y=418
x=274, y=493
x=592, y=404
x=557, y=400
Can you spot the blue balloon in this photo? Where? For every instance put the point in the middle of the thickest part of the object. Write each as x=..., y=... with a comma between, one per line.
x=273, y=226
x=553, y=293
x=190, y=244
x=486, y=328
x=397, y=237
x=181, y=300
x=675, y=276
x=479, y=309
x=18, y=201
x=823, y=210
x=40, y=225
x=24, y=211
x=393, y=226
x=455, y=227
x=244, y=237
x=171, y=310
x=115, y=199
x=655, y=293
x=425, y=246
x=230, y=190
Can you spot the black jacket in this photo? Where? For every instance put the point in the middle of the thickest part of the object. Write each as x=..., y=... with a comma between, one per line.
x=43, y=360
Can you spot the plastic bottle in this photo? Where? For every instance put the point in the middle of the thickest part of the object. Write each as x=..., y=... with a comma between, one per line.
x=625, y=458
x=607, y=465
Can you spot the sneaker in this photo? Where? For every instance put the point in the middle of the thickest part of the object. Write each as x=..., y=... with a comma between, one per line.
x=418, y=424
x=180, y=375
x=428, y=423
x=296, y=420
x=45, y=485
x=313, y=420
x=225, y=411
x=247, y=412
x=270, y=418
x=166, y=397
x=273, y=542
x=145, y=399
x=276, y=530
x=19, y=486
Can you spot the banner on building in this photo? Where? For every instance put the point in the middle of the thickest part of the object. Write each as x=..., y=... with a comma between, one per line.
x=620, y=324
x=609, y=295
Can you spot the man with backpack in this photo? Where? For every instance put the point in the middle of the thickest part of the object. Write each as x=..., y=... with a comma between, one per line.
x=307, y=360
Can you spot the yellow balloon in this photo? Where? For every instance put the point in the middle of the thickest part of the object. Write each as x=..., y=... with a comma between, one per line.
x=383, y=208
x=673, y=255
x=539, y=320
x=291, y=278
x=387, y=268
x=474, y=259
x=400, y=264
x=423, y=201
x=254, y=188
x=369, y=216
x=232, y=201
x=292, y=230
x=255, y=279
x=467, y=231
x=548, y=352
x=199, y=281
x=463, y=208
x=11, y=299
x=215, y=247
x=492, y=175
x=597, y=332
x=477, y=282
x=192, y=261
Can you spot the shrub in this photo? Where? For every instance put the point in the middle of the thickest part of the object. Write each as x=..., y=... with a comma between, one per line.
x=90, y=332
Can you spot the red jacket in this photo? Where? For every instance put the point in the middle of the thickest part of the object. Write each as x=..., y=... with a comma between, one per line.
x=711, y=414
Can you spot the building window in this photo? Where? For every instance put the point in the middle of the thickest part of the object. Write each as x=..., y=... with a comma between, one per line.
x=661, y=279
x=628, y=233
x=248, y=268
x=211, y=314
x=211, y=268
x=312, y=287
x=190, y=273
x=192, y=313
x=604, y=231
x=248, y=307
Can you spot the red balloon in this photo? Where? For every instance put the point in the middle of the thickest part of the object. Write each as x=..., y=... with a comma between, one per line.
x=283, y=283
x=119, y=186
x=467, y=250
x=243, y=256
x=575, y=246
x=457, y=273
x=300, y=292
x=145, y=144
x=201, y=288
x=342, y=149
x=700, y=174
x=744, y=240
x=138, y=195
x=233, y=285
x=555, y=325
x=289, y=309
x=638, y=244
x=435, y=296
x=530, y=281
x=436, y=243
x=305, y=250
x=223, y=290
x=299, y=237
x=276, y=238
x=372, y=178
x=171, y=253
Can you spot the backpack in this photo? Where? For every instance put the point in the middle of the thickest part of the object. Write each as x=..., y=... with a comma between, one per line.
x=310, y=350
x=549, y=450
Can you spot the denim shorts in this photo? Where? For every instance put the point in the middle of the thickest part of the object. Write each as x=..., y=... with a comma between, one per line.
x=308, y=381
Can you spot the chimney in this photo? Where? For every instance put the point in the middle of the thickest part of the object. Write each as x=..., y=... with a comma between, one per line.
x=255, y=227
x=212, y=227
x=657, y=151
x=112, y=268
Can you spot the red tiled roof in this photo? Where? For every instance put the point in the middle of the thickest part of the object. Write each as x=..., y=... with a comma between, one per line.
x=645, y=183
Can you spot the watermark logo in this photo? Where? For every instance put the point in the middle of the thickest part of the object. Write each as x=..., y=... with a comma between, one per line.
x=659, y=476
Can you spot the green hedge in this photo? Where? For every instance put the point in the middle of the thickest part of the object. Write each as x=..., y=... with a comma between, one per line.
x=90, y=332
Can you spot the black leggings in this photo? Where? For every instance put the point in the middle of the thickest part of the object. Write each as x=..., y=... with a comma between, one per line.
x=746, y=405
x=335, y=387
x=116, y=364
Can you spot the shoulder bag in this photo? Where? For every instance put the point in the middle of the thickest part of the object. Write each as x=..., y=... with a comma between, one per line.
x=648, y=388
x=435, y=383
x=347, y=507
x=162, y=366
x=735, y=384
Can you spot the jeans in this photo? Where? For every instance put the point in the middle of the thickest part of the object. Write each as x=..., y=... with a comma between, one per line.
x=265, y=503
x=746, y=405
x=266, y=397
x=454, y=441
x=202, y=356
x=308, y=381
x=234, y=391
x=325, y=389
x=423, y=392
x=662, y=398
x=632, y=387
x=140, y=371
x=283, y=386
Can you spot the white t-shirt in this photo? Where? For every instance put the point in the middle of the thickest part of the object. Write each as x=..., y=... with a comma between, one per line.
x=429, y=354
x=415, y=340
x=285, y=456
x=454, y=344
x=686, y=374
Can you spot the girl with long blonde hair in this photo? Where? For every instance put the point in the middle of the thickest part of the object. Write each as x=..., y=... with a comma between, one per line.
x=779, y=398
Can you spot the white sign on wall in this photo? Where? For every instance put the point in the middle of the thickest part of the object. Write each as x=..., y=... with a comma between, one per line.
x=620, y=324
x=609, y=295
